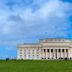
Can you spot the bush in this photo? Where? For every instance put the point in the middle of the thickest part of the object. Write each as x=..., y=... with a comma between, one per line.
x=7, y=59
x=65, y=58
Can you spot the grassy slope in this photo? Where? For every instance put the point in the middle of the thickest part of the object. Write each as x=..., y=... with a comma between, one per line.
x=36, y=66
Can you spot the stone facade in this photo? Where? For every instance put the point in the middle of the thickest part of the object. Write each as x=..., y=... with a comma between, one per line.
x=46, y=49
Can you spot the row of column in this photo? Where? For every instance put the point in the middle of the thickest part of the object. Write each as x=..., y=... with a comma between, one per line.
x=55, y=53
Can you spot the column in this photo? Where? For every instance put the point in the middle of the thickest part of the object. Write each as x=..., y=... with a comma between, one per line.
x=64, y=53
x=49, y=53
x=42, y=53
x=68, y=54
x=39, y=53
x=57, y=54
x=61, y=53
x=46, y=54
x=54, y=53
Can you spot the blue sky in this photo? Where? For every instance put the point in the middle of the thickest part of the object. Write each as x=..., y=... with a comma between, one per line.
x=30, y=20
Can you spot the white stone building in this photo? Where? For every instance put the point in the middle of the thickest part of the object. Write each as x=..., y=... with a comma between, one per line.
x=52, y=48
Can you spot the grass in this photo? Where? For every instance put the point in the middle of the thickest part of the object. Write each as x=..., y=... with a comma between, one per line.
x=36, y=66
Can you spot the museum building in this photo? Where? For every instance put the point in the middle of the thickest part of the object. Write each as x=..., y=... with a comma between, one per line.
x=51, y=48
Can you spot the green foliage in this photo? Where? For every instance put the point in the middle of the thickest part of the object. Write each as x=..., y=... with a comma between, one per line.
x=36, y=66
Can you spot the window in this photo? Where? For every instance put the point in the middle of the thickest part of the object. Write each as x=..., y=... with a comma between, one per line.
x=20, y=51
x=33, y=51
x=37, y=51
x=44, y=50
x=62, y=50
x=47, y=50
x=59, y=50
x=29, y=51
x=37, y=56
x=24, y=56
x=66, y=50
x=20, y=56
x=24, y=51
x=28, y=56
x=33, y=56
x=51, y=50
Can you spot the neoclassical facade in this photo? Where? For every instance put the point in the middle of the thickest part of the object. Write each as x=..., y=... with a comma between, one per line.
x=52, y=48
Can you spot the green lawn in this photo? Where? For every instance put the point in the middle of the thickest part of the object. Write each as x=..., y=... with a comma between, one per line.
x=36, y=66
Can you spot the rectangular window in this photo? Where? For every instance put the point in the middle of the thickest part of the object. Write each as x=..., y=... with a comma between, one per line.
x=33, y=56
x=44, y=50
x=37, y=51
x=24, y=56
x=33, y=51
x=20, y=51
x=59, y=50
x=62, y=50
x=66, y=50
x=37, y=56
x=28, y=56
x=29, y=51
x=47, y=50
x=51, y=50
x=20, y=56
x=24, y=51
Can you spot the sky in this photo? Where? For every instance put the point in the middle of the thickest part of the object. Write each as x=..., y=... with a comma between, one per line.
x=27, y=21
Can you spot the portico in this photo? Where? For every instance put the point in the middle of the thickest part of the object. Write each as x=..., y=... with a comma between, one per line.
x=54, y=53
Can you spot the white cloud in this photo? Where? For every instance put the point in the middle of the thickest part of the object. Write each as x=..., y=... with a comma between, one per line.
x=51, y=19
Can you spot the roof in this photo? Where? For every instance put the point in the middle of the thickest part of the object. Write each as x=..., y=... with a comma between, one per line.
x=54, y=40
x=29, y=45
x=48, y=41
